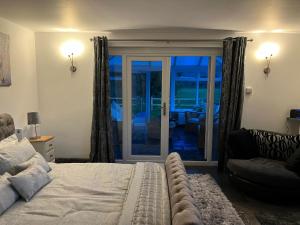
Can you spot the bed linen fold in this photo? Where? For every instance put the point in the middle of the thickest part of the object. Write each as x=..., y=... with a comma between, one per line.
x=148, y=202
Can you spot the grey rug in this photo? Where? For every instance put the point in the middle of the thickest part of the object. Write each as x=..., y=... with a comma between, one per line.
x=278, y=218
x=214, y=207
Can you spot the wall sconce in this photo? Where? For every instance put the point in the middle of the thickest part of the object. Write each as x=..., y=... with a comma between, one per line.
x=71, y=49
x=267, y=51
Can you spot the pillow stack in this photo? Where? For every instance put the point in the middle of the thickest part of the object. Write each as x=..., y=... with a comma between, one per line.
x=30, y=181
x=184, y=211
x=13, y=139
x=13, y=154
x=8, y=195
x=23, y=171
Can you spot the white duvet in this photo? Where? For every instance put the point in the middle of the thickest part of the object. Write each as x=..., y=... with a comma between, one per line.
x=88, y=194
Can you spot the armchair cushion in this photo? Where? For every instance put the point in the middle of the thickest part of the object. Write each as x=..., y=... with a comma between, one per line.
x=267, y=172
x=276, y=146
x=242, y=145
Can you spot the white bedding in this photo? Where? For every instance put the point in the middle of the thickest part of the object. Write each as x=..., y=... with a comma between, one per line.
x=93, y=194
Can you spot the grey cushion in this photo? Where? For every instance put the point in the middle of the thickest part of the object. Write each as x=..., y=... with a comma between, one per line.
x=30, y=181
x=12, y=155
x=8, y=195
x=37, y=159
x=268, y=172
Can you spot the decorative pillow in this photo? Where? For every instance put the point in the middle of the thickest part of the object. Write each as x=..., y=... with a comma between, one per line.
x=12, y=155
x=293, y=163
x=30, y=181
x=242, y=145
x=8, y=195
x=274, y=145
x=37, y=159
x=12, y=139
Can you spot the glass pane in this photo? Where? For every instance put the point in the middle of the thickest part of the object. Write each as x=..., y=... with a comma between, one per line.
x=188, y=102
x=146, y=107
x=218, y=88
x=185, y=94
x=115, y=73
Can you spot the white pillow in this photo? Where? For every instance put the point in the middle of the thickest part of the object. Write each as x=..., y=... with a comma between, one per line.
x=12, y=139
x=30, y=181
x=37, y=159
x=8, y=195
x=12, y=155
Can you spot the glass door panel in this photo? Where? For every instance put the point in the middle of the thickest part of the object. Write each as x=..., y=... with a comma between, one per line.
x=146, y=101
x=188, y=106
x=216, y=115
x=116, y=101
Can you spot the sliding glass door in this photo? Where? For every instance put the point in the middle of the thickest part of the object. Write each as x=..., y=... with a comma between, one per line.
x=147, y=107
x=163, y=104
x=188, y=106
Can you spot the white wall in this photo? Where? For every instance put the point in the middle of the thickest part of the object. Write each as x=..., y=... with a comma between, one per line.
x=66, y=100
x=21, y=97
x=273, y=97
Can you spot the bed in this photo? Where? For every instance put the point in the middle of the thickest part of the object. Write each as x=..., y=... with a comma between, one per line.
x=106, y=193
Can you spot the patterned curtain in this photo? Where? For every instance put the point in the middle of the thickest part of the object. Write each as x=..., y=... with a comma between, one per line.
x=101, y=136
x=232, y=92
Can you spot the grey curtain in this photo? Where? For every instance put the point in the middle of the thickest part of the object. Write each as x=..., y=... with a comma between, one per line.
x=232, y=97
x=101, y=135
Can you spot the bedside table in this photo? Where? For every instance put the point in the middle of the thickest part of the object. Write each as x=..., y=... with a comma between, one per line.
x=44, y=145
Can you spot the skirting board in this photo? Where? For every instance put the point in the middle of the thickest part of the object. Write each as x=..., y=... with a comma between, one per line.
x=71, y=160
x=186, y=163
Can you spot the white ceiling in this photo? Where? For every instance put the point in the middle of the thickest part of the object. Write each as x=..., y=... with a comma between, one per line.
x=110, y=15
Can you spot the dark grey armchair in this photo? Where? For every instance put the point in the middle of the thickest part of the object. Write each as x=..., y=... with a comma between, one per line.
x=258, y=163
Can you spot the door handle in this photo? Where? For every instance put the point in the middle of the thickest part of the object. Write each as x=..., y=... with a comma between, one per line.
x=164, y=107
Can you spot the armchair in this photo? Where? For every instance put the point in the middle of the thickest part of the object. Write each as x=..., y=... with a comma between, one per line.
x=257, y=163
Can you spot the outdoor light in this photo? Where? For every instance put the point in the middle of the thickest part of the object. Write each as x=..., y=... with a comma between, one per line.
x=71, y=49
x=266, y=51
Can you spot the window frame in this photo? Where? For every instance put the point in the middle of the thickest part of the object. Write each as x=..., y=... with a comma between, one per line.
x=208, y=50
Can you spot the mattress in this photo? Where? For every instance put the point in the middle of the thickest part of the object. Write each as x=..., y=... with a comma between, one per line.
x=96, y=194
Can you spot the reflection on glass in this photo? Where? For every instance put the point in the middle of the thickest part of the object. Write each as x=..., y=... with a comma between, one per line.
x=115, y=73
x=146, y=107
x=188, y=103
x=217, y=98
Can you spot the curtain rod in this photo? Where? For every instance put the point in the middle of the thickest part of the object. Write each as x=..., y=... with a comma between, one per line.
x=171, y=40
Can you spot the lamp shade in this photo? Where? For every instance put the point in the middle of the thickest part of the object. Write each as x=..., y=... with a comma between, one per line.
x=33, y=118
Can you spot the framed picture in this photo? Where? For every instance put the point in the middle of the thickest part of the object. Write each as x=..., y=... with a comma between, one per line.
x=5, y=75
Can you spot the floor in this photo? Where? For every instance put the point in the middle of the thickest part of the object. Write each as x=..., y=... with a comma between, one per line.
x=249, y=207
x=185, y=143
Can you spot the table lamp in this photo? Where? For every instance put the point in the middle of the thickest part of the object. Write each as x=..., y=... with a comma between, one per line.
x=33, y=119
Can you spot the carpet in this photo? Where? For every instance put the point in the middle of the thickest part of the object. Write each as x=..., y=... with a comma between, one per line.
x=213, y=205
x=278, y=218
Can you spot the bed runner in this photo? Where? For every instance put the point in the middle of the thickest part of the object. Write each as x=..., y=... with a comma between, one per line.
x=147, y=201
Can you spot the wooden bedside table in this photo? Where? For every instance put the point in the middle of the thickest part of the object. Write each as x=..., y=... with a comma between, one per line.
x=44, y=145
